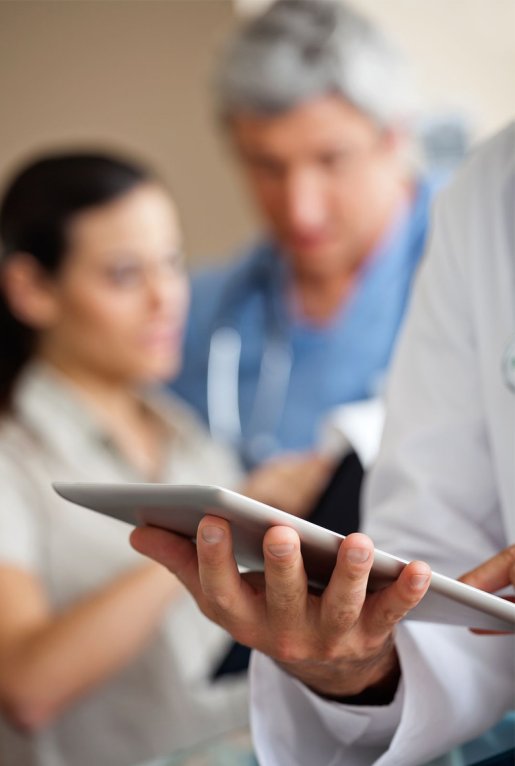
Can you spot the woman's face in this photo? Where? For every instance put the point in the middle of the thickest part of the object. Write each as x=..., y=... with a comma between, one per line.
x=121, y=295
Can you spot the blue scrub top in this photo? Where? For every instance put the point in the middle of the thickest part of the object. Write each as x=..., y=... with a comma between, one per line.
x=343, y=361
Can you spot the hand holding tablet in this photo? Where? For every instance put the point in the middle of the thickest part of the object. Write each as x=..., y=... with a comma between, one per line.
x=180, y=509
x=338, y=642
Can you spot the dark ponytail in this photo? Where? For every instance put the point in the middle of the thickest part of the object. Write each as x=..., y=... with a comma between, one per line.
x=35, y=213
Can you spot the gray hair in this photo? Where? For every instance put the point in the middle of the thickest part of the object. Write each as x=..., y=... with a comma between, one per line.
x=299, y=50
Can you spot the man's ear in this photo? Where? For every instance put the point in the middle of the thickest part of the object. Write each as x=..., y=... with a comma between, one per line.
x=29, y=292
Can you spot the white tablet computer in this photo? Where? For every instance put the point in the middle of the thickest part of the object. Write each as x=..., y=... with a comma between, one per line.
x=180, y=508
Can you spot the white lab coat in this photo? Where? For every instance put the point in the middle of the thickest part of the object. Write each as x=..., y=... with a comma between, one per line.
x=443, y=490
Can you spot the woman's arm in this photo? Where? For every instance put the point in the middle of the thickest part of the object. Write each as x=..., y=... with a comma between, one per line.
x=47, y=660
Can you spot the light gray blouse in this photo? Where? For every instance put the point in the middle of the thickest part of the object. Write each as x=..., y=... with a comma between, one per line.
x=163, y=700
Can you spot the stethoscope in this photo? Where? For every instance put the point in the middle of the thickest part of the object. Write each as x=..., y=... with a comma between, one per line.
x=223, y=369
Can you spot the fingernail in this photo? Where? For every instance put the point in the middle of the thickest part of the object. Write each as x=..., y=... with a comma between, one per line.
x=212, y=534
x=281, y=549
x=419, y=581
x=357, y=555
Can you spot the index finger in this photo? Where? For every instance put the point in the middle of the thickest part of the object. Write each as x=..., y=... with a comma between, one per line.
x=495, y=573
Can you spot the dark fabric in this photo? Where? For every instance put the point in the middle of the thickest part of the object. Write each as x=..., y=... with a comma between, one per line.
x=501, y=759
x=337, y=509
x=235, y=661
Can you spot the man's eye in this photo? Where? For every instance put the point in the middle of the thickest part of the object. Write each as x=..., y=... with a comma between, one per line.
x=334, y=160
x=266, y=166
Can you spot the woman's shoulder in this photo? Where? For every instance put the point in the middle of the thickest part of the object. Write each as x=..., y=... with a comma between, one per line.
x=19, y=491
x=16, y=440
x=19, y=450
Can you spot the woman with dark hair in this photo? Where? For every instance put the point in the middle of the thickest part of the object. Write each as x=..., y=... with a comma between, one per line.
x=104, y=659
x=35, y=214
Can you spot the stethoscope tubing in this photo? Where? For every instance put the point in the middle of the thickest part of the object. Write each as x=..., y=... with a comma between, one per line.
x=224, y=369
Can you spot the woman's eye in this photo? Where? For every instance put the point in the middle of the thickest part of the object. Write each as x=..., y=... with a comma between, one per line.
x=124, y=275
x=135, y=274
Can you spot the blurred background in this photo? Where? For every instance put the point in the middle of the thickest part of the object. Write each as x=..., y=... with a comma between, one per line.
x=273, y=364
x=135, y=75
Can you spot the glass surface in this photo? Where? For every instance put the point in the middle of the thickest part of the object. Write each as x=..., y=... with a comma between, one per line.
x=233, y=749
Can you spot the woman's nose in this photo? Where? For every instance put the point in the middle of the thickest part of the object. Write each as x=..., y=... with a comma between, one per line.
x=165, y=288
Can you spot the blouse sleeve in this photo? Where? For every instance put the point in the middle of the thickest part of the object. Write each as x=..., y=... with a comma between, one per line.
x=19, y=529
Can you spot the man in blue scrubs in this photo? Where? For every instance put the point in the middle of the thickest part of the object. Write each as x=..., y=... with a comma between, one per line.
x=315, y=102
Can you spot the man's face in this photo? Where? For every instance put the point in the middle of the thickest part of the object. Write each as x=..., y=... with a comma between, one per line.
x=323, y=176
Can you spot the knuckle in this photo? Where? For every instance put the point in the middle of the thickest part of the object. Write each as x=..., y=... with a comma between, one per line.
x=356, y=596
x=286, y=603
x=283, y=563
x=342, y=615
x=333, y=651
x=281, y=569
x=223, y=602
x=393, y=615
x=211, y=565
x=355, y=574
x=284, y=569
x=220, y=601
x=287, y=648
x=355, y=650
x=374, y=647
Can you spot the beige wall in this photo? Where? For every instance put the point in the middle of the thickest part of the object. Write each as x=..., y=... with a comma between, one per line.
x=463, y=51
x=129, y=75
x=135, y=75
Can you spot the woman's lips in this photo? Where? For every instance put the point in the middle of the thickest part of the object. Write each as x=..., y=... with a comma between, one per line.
x=166, y=337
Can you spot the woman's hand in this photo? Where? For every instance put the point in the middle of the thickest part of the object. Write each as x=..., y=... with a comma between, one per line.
x=340, y=644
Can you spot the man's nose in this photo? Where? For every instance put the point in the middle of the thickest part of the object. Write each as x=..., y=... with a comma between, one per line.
x=304, y=201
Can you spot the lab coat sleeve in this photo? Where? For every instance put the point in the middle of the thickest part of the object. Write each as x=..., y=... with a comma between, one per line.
x=428, y=717
x=432, y=495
